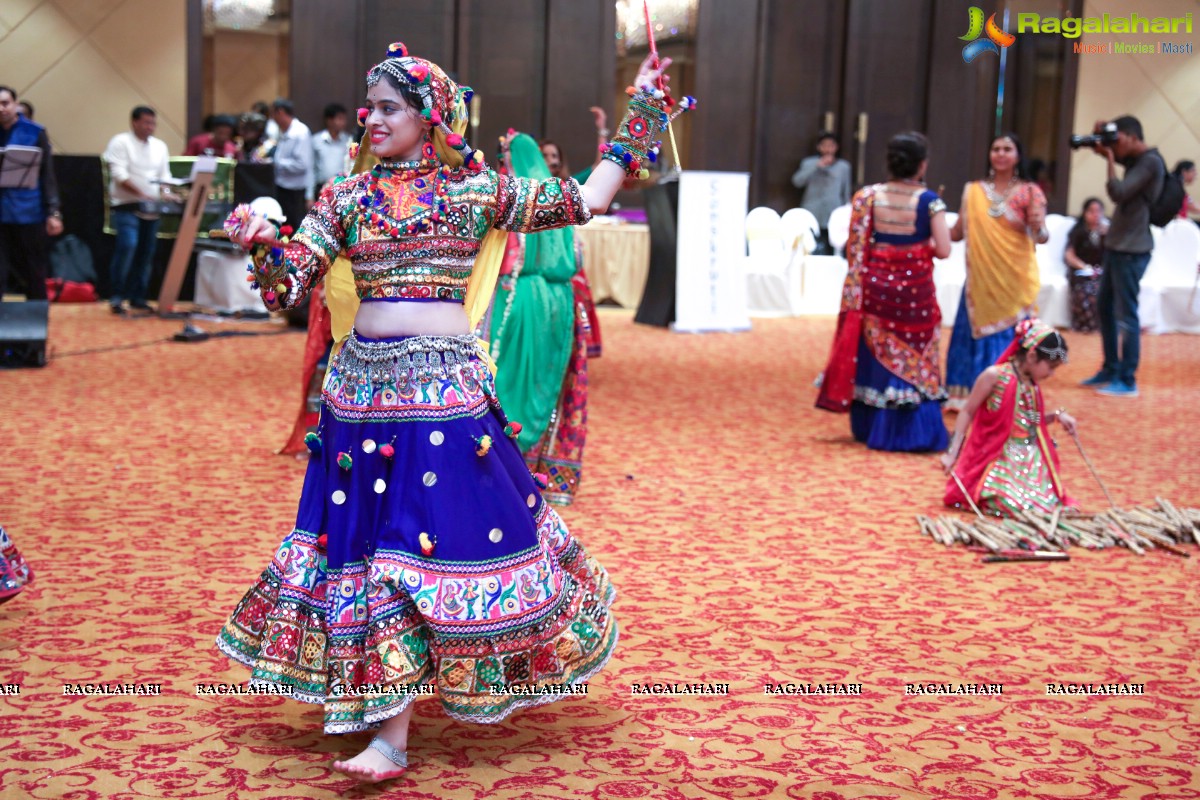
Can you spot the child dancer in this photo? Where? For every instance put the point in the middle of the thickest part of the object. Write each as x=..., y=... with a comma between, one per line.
x=1002, y=451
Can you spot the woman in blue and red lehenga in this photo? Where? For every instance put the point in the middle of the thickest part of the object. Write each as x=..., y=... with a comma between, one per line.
x=424, y=558
x=884, y=365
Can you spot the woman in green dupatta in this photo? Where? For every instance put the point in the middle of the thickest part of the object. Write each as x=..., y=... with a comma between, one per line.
x=539, y=342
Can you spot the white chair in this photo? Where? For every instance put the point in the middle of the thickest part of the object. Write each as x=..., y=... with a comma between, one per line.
x=1054, y=297
x=766, y=270
x=824, y=277
x=800, y=230
x=1173, y=304
x=839, y=226
x=950, y=275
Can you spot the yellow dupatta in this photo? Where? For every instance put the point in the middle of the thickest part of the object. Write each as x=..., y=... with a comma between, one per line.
x=1002, y=272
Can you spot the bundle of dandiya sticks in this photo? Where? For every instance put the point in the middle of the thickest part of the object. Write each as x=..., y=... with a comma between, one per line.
x=1036, y=537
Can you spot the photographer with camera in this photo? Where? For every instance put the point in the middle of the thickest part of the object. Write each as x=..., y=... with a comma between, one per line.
x=1127, y=247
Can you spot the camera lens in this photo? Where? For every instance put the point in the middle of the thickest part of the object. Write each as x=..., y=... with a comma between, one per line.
x=1077, y=141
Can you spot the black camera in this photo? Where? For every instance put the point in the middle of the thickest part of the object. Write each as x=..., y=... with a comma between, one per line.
x=1106, y=136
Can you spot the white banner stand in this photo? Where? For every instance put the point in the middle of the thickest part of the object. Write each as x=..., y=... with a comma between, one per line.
x=710, y=288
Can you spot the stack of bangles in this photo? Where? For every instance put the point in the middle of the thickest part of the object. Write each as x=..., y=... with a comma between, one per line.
x=637, y=142
x=267, y=273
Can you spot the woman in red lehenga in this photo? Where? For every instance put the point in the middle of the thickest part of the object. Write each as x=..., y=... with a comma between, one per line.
x=1002, y=451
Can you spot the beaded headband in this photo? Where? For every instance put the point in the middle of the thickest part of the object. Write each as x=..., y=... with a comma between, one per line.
x=1031, y=333
x=444, y=101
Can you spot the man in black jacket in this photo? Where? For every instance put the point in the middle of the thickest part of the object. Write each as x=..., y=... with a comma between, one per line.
x=1126, y=254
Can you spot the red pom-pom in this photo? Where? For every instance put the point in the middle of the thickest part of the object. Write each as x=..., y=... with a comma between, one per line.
x=454, y=140
x=386, y=450
x=363, y=113
x=287, y=230
x=322, y=541
x=435, y=116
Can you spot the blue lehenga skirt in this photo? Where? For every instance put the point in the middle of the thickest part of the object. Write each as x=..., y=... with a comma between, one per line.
x=889, y=413
x=424, y=559
x=967, y=357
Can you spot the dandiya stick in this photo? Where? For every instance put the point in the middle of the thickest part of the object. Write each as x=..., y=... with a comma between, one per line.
x=1054, y=519
x=1096, y=475
x=1173, y=512
x=661, y=83
x=966, y=494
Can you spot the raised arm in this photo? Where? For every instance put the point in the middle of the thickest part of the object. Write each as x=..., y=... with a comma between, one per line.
x=636, y=139
x=808, y=168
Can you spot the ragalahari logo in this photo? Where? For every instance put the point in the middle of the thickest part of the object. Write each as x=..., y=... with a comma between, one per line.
x=996, y=37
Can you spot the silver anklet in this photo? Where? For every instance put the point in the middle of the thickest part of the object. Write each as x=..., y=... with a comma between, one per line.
x=397, y=757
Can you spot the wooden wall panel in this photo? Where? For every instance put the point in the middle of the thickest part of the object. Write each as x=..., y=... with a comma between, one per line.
x=801, y=68
x=887, y=57
x=323, y=62
x=581, y=67
x=425, y=26
x=723, y=126
x=502, y=55
x=961, y=107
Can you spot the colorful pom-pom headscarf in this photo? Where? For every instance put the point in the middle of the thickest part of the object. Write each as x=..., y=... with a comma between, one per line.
x=444, y=101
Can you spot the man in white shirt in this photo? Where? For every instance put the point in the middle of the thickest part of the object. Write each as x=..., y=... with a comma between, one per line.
x=293, y=163
x=137, y=162
x=329, y=146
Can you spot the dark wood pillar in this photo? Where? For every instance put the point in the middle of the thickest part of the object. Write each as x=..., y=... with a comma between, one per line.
x=323, y=57
x=581, y=64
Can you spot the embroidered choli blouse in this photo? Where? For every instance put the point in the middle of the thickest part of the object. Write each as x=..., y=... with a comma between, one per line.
x=434, y=262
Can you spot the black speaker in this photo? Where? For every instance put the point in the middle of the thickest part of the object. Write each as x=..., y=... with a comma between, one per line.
x=23, y=333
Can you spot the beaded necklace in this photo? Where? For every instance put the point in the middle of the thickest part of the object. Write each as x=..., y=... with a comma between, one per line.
x=425, y=177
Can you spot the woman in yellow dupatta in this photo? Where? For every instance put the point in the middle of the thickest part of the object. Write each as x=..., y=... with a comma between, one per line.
x=1001, y=219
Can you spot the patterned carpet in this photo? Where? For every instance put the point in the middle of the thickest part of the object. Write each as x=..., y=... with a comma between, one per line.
x=750, y=539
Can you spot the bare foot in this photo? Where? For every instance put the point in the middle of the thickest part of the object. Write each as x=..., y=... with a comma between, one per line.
x=374, y=765
x=369, y=766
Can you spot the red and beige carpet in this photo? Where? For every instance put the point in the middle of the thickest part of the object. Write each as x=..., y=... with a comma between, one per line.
x=751, y=542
